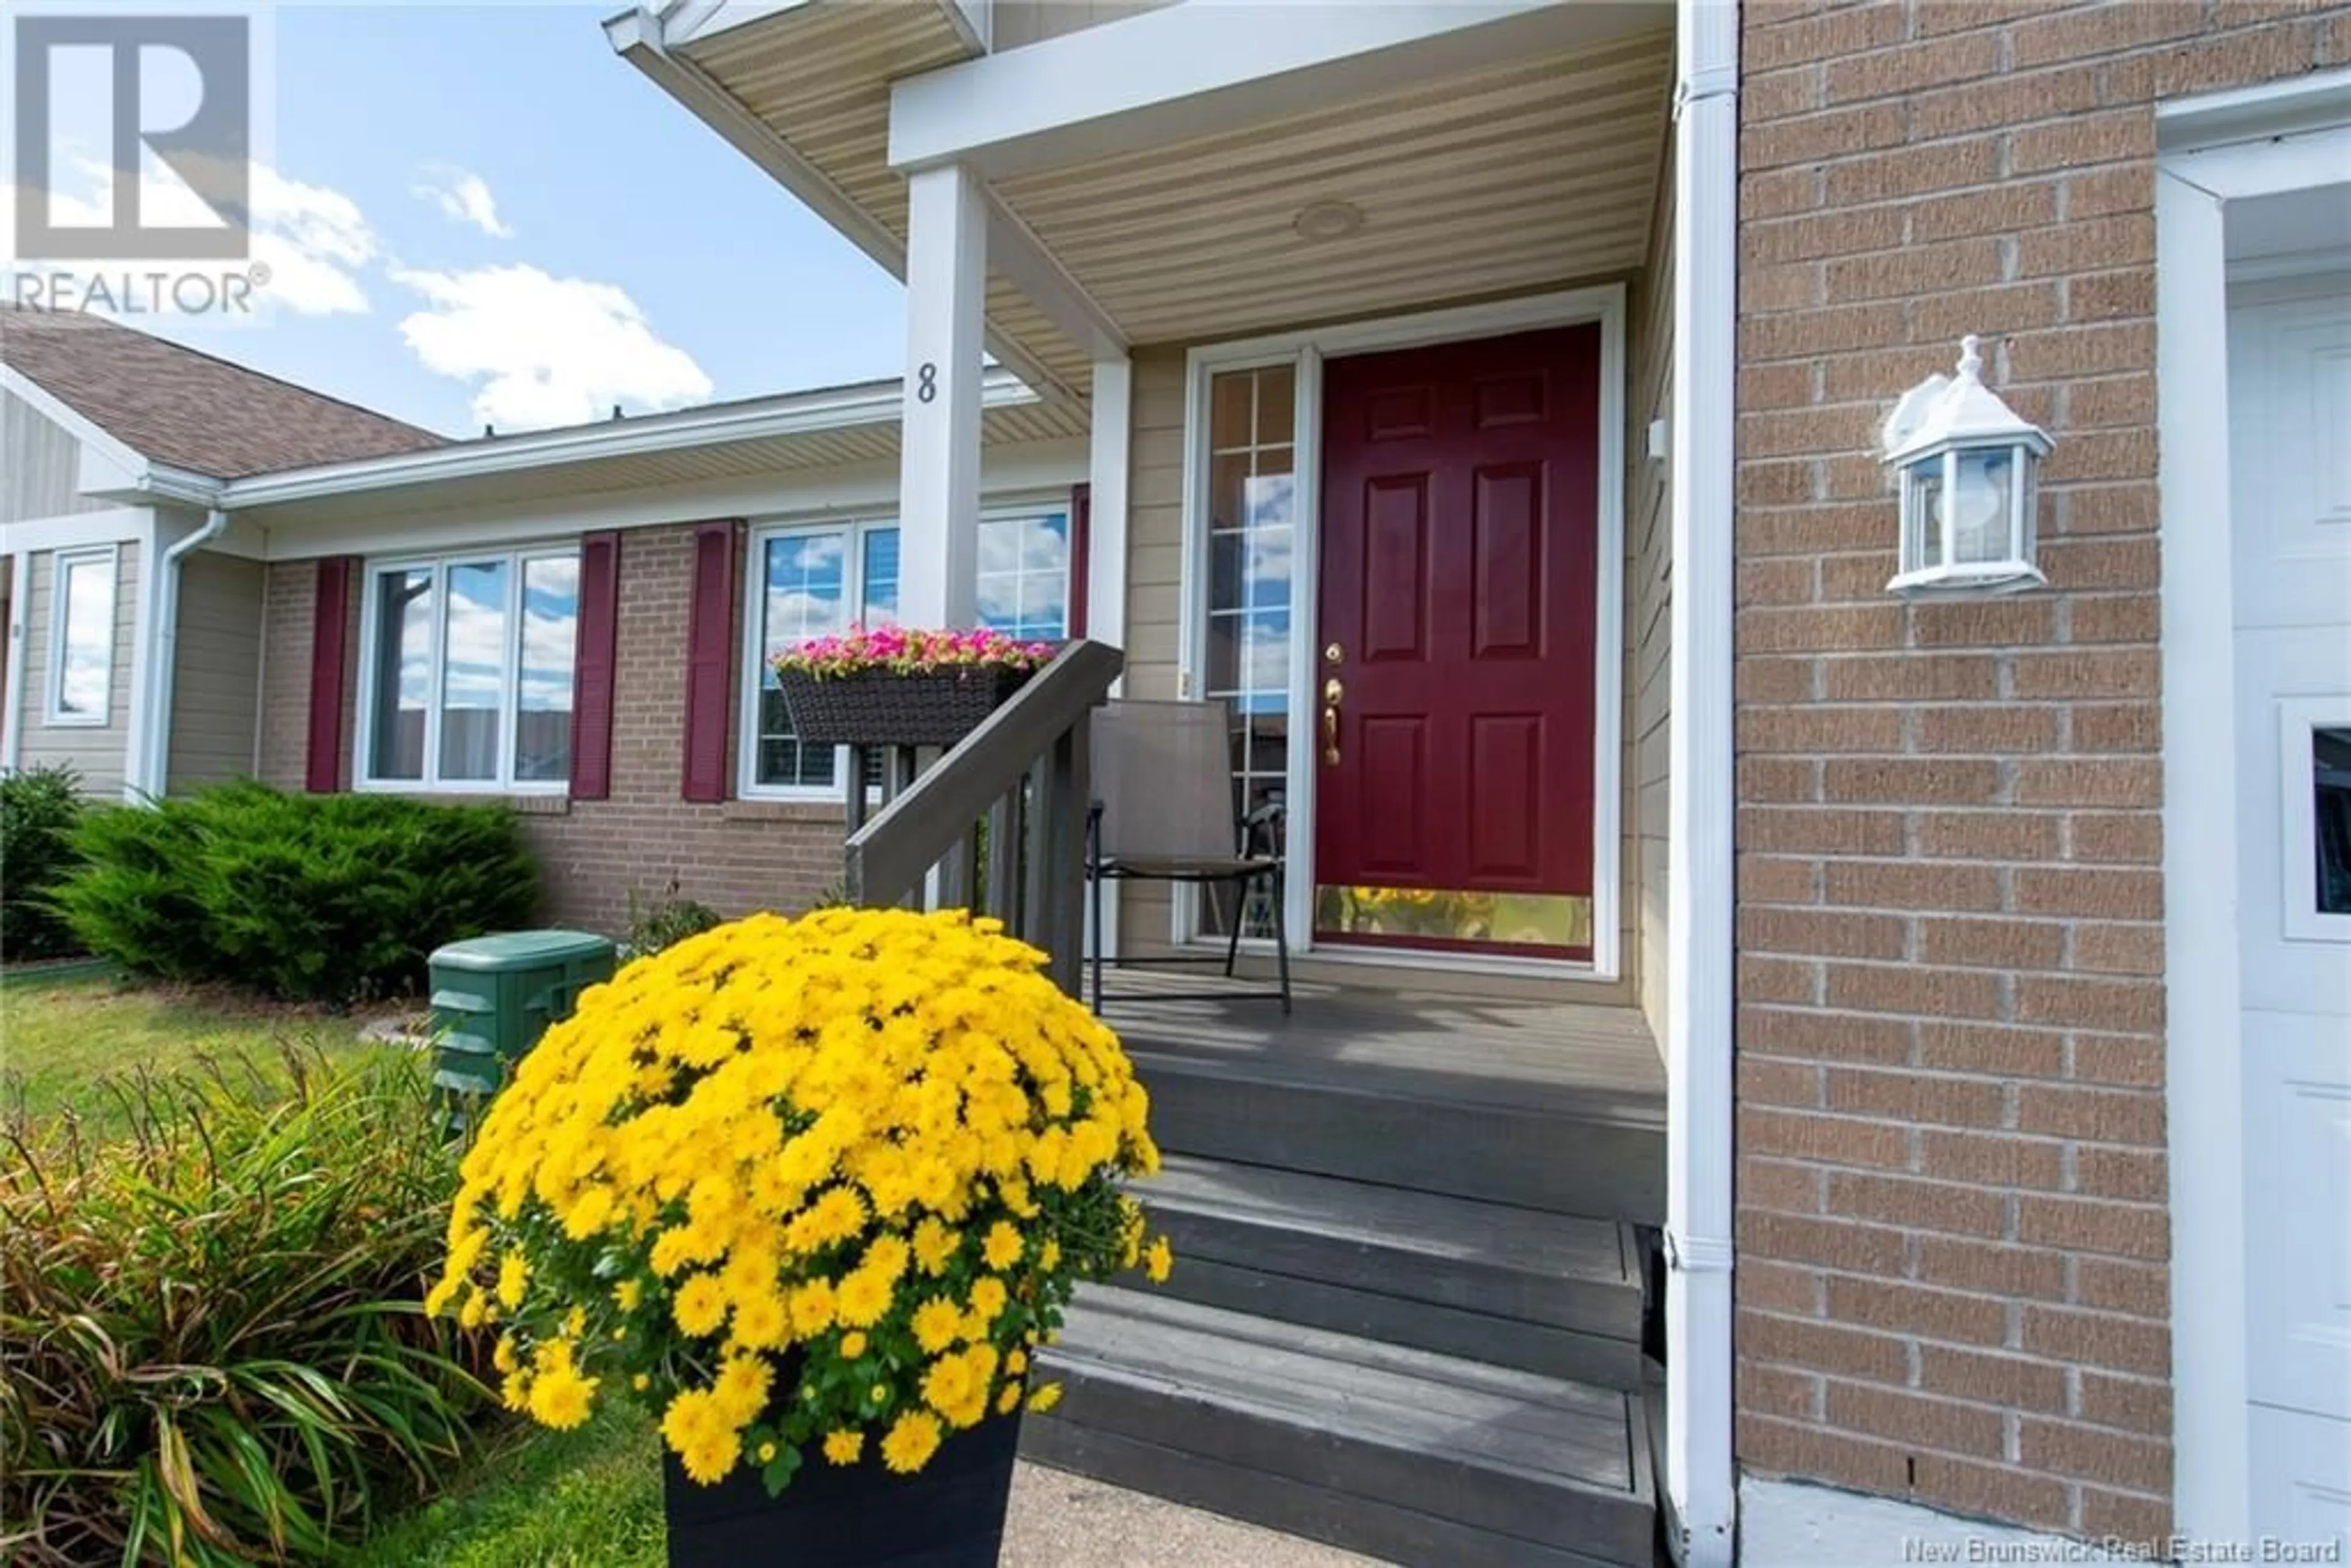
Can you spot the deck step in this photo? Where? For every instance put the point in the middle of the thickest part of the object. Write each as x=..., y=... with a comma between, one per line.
x=1551, y=1293
x=1404, y=1454
x=1493, y=1141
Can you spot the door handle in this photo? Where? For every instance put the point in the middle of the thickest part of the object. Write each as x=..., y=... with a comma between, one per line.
x=1332, y=692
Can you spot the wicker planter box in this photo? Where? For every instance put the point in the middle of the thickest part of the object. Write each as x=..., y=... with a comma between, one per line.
x=950, y=1514
x=880, y=707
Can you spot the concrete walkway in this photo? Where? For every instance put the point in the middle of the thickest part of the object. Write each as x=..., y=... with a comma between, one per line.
x=1062, y=1521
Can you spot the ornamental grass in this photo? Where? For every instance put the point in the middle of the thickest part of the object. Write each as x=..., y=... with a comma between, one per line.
x=211, y=1347
x=813, y=1187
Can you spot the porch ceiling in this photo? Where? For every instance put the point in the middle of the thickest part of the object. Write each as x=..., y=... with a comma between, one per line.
x=819, y=76
x=1537, y=172
x=1500, y=181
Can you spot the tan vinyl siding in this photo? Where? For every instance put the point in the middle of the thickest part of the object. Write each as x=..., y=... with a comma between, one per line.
x=1021, y=22
x=216, y=674
x=94, y=751
x=1155, y=583
x=41, y=465
x=1648, y=628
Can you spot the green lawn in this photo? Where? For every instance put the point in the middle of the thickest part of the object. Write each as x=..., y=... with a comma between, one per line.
x=586, y=1499
x=61, y=1037
x=527, y=1497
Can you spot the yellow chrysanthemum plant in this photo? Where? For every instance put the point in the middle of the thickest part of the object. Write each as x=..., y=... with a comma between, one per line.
x=803, y=1186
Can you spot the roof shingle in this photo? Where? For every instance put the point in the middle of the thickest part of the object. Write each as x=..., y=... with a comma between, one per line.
x=179, y=406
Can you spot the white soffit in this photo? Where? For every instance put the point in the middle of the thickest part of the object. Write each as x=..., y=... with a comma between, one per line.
x=1502, y=180
x=818, y=76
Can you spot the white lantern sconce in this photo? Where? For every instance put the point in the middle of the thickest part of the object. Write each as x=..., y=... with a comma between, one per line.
x=1968, y=470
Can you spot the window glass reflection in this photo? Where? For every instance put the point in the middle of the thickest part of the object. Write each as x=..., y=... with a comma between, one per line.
x=550, y=638
x=2330, y=771
x=1252, y=527
x=86, y=640
x=805, y=589
x=403, y=672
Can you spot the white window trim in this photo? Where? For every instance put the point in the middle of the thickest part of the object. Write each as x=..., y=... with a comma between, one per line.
x=1603, y=305
x=364, y=730
x=53, y=712
x=753, y=654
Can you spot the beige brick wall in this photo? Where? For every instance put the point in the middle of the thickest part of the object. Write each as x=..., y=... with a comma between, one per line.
x=736, y=855
x=1953, y=1282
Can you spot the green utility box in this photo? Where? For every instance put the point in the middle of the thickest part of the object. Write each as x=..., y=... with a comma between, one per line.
x=493, y=996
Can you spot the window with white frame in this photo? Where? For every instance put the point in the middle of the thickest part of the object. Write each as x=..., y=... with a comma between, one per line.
x=81, y=636
x=467, y=674
x=807, y=582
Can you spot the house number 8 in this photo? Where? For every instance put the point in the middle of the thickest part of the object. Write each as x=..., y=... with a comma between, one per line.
x=926, y=383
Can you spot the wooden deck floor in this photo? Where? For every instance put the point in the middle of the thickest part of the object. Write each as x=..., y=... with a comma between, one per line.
x=1573, y=1057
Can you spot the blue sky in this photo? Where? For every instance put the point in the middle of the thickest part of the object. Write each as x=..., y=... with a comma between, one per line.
x=642, y=260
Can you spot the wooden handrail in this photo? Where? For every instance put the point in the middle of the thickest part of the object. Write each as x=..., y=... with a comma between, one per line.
x=1024, y=769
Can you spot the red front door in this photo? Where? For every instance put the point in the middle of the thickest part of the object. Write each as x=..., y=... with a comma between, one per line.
x=1454, y=673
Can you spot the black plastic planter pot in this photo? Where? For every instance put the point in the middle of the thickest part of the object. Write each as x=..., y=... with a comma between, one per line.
x=950, y=1514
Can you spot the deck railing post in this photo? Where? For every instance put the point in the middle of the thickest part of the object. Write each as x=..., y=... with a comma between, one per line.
x=1065, y=907
x=1024, y=776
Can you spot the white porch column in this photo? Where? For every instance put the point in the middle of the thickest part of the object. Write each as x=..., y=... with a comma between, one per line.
x=938, y=488
x=1113, y=423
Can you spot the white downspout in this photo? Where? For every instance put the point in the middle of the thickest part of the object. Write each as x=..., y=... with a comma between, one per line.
x=162, y=656
x=1699, y=1480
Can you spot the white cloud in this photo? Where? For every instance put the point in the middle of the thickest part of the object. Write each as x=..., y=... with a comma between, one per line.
x=464, y=197
x=313, y=239
x=546, y=351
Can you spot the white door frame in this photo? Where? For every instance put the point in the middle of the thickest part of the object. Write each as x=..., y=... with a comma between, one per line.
x=2217, y=149
x=1306, y=350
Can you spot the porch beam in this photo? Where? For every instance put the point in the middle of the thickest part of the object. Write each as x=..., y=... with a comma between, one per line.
x=938, y=490
x=1021, y=259
x=1191, y=68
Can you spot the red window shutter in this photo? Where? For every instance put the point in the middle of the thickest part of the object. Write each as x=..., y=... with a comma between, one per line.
x=592, y=665
x=1082, y=548
x=709, y=661
x=330, y=657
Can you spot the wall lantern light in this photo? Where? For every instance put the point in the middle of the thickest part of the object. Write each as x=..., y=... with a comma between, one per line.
x=1968, y=467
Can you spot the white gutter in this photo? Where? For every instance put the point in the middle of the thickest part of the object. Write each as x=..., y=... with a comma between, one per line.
x=803, y=413
x=1699, y=1482
x=151, y=775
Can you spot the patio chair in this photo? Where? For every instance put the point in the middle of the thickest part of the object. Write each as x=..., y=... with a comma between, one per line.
x=1162, y=811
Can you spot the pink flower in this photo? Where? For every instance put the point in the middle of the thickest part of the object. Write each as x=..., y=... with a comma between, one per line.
x=910, y=652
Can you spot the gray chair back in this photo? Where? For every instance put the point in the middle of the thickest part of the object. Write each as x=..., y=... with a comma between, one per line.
x=1162, y=773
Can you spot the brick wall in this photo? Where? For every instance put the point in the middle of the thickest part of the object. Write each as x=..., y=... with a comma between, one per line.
x=736, y=855
x=1953, y=1282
